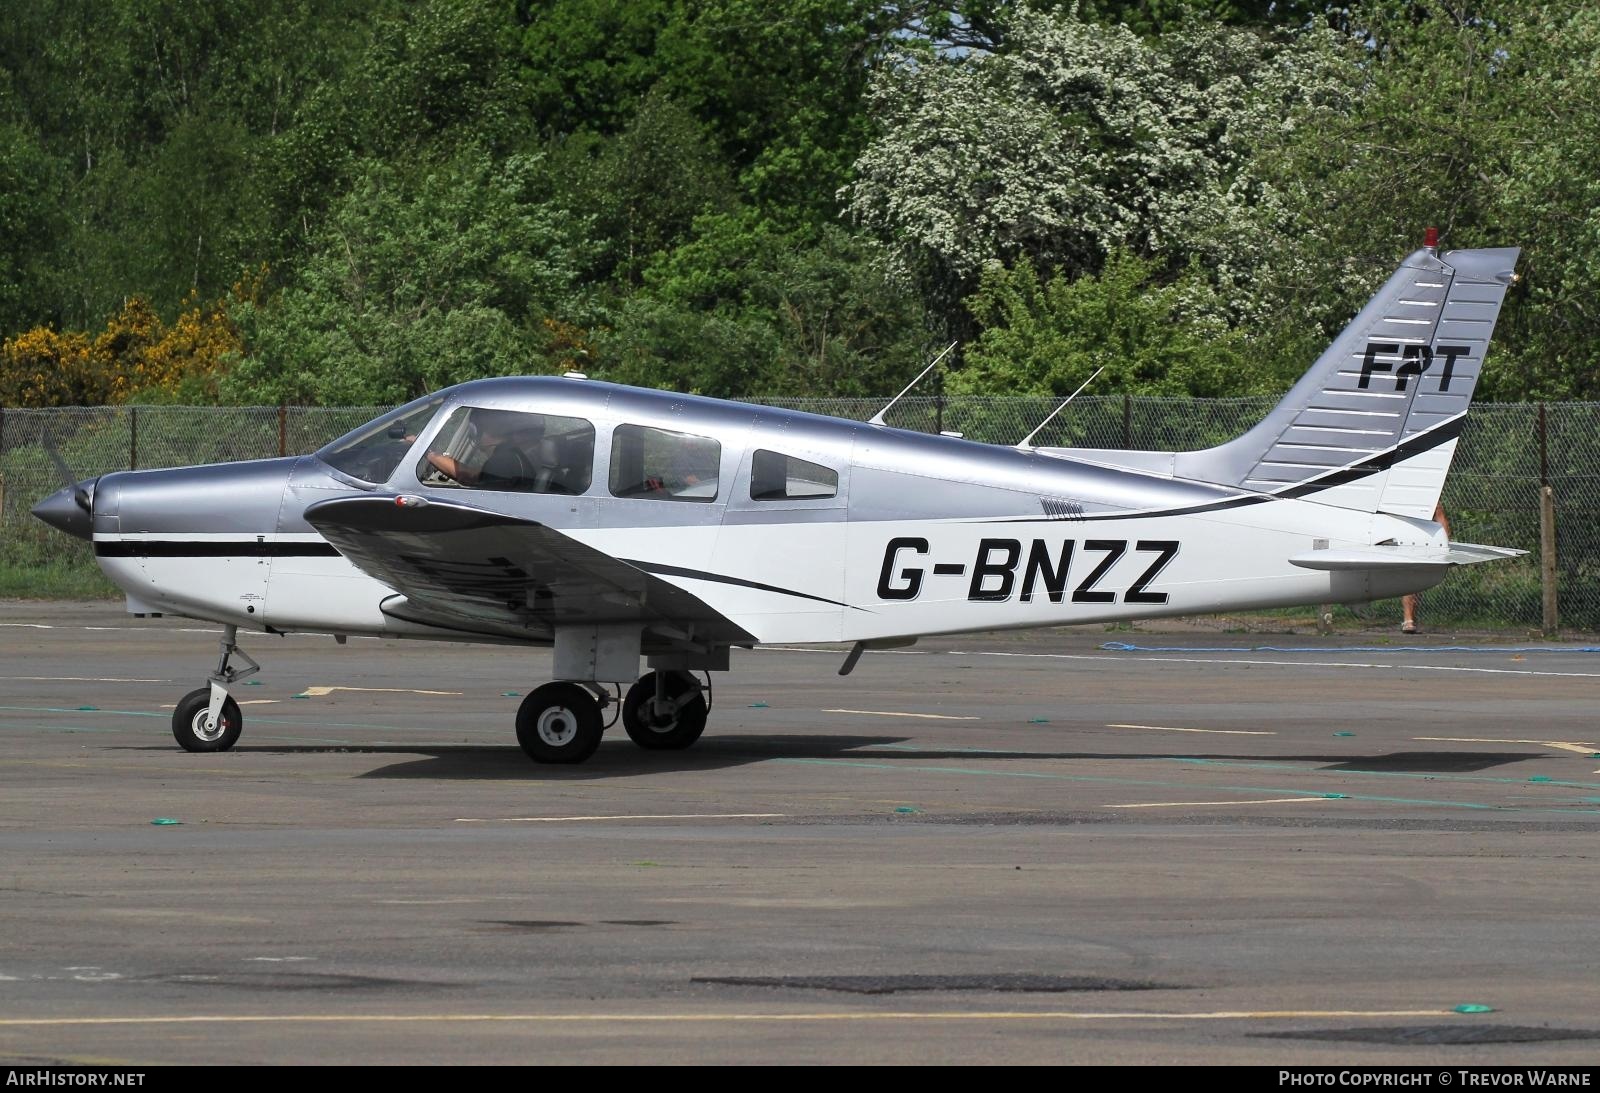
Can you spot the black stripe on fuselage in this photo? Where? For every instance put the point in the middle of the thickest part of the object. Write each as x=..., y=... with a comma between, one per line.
x=719, y=578
x=1421, y=442
x=209, y=548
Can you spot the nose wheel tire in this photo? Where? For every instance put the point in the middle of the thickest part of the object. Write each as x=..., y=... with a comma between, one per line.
x=669, y=732
x=189, y=723
x=559, y=723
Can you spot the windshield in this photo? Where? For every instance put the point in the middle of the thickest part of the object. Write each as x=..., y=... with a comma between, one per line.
x=372, y=452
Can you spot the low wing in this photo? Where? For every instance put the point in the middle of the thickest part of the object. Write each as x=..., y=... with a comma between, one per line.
x=469, y=569
x=1398, y=557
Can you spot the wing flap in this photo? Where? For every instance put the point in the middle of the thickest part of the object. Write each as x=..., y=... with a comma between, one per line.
x=467, y=568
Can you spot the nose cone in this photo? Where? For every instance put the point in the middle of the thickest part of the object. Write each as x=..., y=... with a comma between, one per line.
x=68, y=510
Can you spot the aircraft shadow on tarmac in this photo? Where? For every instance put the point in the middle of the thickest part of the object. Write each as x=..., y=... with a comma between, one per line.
x=618, y=758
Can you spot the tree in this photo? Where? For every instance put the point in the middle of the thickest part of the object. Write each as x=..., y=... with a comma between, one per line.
x=448, y=273
x=1078, y=140
x=1048, y=337
x=747, y=307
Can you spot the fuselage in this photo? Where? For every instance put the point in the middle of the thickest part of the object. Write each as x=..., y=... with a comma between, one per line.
x=800, y=528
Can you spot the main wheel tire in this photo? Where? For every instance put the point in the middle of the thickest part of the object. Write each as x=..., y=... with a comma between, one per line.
x=559, y=723
x=189, y=723
x=677, y=732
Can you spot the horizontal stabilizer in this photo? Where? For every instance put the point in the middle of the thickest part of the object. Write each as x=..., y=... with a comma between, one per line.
x=1402, y=557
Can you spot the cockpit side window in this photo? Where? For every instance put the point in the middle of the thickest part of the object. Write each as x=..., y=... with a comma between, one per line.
x=778, y=477
x=662, y=465
x=510, y=451
x=372, y=452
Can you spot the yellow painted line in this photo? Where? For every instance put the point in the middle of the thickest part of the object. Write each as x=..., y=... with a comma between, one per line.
x=1175, y=728
x=1196, y=804
x=1564, y=745
x=894, y=713
x=576, y=819
x=703, y=1018
x=320, y=692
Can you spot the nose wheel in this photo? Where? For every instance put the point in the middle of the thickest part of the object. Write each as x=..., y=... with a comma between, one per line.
x=195, y=728
x=208, y=719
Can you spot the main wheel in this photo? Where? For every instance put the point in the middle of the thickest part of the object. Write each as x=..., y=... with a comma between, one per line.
x=559, y=723
x=675, y=731
x=189, y=723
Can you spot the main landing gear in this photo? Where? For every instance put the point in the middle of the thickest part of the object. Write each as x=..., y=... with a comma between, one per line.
x=560, y=722
x=563, y=722
x=208, y=719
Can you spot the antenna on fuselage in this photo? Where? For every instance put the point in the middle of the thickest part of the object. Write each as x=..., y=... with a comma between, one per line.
x=877, y=419
x=1024, y=445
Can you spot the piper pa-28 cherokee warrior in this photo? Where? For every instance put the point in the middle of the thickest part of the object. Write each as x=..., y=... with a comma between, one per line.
x=618, y=524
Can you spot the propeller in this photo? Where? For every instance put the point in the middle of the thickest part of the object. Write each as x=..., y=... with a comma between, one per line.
x=79, y=494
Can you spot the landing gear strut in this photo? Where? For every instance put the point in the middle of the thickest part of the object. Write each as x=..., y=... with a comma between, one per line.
x=208, y=719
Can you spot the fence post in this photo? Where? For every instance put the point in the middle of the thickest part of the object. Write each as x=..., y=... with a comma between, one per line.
x=1550, y=620
x=133, y=438
x=283, y=430
x=1127, y=421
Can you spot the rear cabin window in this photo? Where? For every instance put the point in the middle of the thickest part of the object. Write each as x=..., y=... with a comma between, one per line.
x=778, y=477
x=662, y=465
x=510, y=452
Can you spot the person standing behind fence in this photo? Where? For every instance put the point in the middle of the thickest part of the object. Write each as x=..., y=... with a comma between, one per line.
x=1408, y=604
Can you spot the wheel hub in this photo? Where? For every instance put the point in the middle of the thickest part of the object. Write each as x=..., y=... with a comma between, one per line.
x=212, y=733
x=557, y=726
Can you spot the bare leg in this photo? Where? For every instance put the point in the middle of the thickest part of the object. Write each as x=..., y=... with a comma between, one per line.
x=1408, y=604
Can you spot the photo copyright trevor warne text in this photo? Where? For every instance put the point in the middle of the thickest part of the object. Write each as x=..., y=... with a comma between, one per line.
x=1436, y=1077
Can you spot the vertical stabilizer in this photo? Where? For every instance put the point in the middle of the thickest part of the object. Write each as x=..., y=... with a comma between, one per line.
x=1373, y=425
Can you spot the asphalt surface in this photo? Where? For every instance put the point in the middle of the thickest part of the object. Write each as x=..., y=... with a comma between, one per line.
x=994, y=849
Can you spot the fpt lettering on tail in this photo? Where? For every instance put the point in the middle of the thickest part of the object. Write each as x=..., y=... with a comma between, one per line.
x=1414, y=361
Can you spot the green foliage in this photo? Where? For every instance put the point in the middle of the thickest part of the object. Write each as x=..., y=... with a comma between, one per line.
x=748, y=307
x=30, y=221
x=419, y=281
x=643, y=187
x=1049, y=337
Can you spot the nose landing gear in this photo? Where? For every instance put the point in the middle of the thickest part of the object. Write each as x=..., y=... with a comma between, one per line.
x=208, y=719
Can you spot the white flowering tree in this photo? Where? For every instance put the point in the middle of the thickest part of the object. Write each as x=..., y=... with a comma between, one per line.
x=1075, y=141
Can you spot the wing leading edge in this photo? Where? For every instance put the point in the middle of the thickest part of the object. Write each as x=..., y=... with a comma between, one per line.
x=469, y=569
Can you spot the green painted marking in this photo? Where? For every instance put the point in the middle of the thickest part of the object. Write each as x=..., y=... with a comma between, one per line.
x=1474, y=1007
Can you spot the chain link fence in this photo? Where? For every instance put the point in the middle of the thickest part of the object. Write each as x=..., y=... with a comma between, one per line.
x=1492, y=496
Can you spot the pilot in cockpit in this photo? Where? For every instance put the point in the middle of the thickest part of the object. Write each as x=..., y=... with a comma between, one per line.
x=504, y=443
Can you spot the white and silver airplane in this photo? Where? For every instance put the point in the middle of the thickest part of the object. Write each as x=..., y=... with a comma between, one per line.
x=618, y=524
